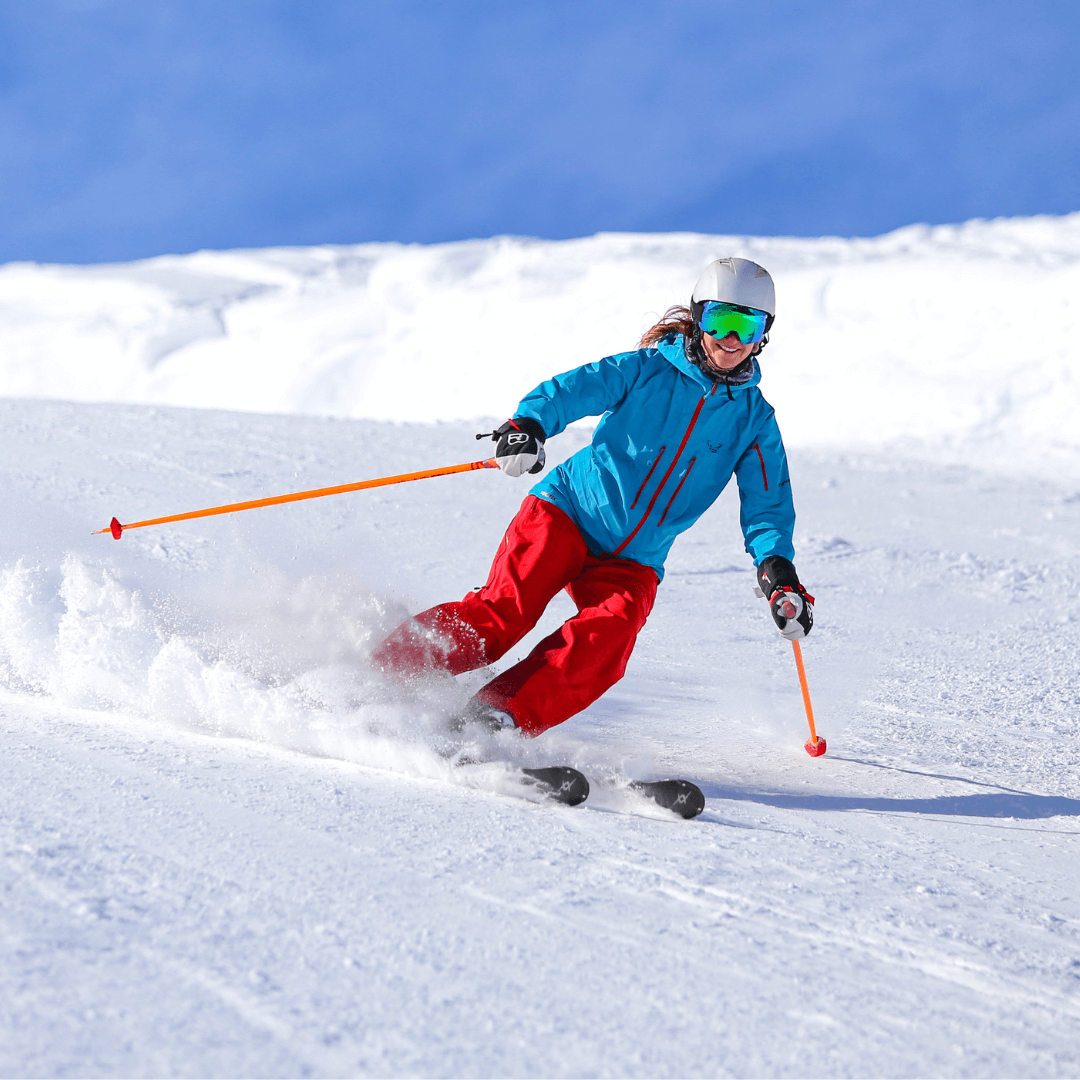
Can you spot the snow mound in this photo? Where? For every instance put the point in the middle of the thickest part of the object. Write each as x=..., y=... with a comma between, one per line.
x=963, y=337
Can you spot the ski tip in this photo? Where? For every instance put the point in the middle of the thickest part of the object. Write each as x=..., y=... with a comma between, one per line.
x=679, y=796
x=815, y=749
x=561, y=783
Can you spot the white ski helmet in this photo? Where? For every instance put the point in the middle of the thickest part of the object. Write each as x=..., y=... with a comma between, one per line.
x=735, y=281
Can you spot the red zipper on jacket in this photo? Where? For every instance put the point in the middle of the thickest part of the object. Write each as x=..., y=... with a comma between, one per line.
x=677, y=490
x=648, y=478
x=764, y=476
x=671, y=469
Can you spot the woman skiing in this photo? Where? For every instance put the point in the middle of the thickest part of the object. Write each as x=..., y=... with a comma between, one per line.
x=681, y=415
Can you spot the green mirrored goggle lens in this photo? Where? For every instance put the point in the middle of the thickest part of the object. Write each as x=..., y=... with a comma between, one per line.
x=719, y=320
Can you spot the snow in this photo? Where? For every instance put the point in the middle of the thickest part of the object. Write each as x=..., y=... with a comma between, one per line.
x=230, y=848
x=937, y=334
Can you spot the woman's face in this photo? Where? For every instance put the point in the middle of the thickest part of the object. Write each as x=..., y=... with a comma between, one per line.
x=727, y=353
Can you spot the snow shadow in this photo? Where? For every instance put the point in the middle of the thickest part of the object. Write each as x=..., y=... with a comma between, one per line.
x=983, y=805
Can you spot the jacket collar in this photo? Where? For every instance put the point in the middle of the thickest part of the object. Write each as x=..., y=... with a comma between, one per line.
x=672, y=350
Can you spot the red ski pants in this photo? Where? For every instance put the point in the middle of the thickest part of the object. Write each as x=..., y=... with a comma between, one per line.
x=541, y=553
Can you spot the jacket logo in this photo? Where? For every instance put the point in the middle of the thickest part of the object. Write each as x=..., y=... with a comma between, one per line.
x=715, y=448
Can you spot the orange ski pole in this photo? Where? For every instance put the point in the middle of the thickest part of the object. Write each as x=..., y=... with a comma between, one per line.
x=815, y=745
x=117, y=529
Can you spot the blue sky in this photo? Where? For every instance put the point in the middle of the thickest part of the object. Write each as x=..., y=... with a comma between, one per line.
x=131, y=128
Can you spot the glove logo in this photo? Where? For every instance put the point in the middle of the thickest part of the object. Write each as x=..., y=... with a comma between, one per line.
x=519, y=447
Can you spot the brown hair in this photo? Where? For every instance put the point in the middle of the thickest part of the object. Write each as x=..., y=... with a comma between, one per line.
x=676, y=320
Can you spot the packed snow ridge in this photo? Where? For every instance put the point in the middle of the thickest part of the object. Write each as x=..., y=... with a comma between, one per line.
x=965, y=337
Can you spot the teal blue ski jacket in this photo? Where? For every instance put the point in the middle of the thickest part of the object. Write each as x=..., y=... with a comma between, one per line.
x=668, y=442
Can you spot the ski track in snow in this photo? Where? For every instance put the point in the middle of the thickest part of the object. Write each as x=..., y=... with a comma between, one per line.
x=231, y=849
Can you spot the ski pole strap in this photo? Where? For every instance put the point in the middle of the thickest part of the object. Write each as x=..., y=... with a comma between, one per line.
x=791, y=588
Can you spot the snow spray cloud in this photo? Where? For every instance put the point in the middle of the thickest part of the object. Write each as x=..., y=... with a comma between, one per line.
x=281, y=662
x=284, y=666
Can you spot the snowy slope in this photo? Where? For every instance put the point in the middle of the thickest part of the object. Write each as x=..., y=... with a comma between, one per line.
x=231, y=849
x=951, y=333
x=185, y=894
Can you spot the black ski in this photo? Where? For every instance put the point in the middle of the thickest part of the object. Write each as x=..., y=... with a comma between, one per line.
x=559, y=782
x=679, y=796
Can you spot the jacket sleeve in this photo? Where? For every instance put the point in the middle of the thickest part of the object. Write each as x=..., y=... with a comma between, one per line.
x=767, y=512
x=590, y=390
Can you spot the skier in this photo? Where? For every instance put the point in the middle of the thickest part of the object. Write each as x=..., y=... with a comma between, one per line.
x=681, y=415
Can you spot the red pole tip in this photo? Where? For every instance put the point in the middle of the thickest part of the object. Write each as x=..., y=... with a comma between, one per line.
x=815, y=749
x=115, y=528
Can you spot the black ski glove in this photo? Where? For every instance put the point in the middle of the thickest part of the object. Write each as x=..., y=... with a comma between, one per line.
x=792, y=607
x=519, y=446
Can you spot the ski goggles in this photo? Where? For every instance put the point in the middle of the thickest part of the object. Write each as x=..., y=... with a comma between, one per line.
x=719, y=320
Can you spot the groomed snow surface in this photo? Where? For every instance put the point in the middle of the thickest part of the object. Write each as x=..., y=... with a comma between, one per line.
x=231, y=848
